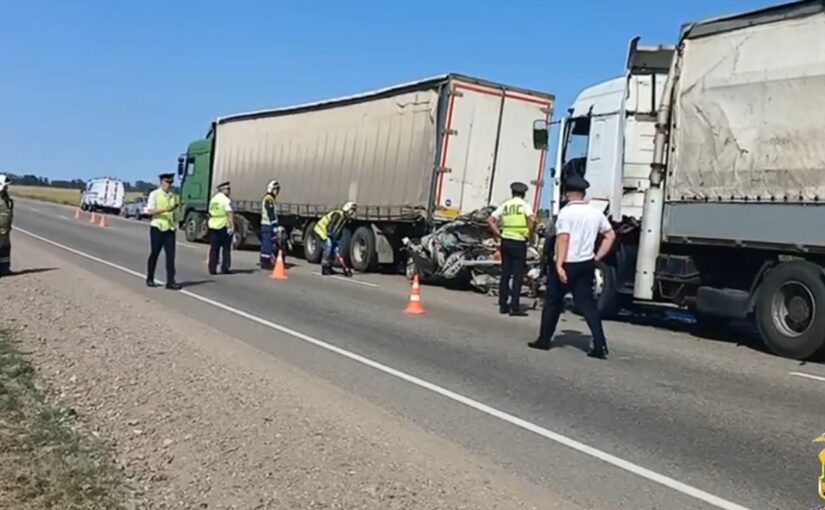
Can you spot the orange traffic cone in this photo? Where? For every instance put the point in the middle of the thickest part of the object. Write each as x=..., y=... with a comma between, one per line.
x=279, y=271
x=77, y=213
x=93, y=218
x=103, y=221
x=414, y=306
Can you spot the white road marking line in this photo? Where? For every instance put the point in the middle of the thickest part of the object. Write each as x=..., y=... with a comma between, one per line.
x=35, y=209
x=348, y=280
x=64, y=217
x=808, y=376
x=580, y=447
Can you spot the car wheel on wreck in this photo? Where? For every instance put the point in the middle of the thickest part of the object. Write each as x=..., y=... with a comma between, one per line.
x=409, y=268
x=608, y=300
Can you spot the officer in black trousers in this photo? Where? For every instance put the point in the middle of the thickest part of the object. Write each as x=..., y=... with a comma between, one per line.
x=572, y=266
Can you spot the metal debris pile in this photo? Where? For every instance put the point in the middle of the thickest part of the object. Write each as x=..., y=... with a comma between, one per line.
x=464, y=251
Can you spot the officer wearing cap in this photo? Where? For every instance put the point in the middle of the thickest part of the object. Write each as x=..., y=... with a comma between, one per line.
x=162, y=206
x=578, y=226
x=220, y=223
x=512, y=223
x=270, y=243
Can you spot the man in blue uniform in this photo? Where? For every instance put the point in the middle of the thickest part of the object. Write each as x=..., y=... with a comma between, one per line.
x=162, y=206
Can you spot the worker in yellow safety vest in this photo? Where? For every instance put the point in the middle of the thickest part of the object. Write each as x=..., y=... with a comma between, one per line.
x=512, y=223
x=270, y=243
x=162, y=206
x=328, y=230
x=221, y=229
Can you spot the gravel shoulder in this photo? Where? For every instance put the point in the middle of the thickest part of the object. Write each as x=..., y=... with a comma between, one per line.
x=199, y=419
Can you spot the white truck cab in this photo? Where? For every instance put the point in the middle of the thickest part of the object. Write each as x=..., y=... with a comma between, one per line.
x=608, y=137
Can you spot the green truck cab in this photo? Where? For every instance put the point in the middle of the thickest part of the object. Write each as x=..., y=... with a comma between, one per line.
x=195, y=190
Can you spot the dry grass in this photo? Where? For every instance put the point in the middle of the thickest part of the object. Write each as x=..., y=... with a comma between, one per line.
x=47, y=461
x=57, y=195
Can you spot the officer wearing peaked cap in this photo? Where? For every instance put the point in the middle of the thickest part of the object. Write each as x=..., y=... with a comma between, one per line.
x=513, y=223
x=221, y=228
x=162, y=206
x=578, y=226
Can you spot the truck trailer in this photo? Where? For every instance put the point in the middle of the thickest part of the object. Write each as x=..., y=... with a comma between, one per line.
x=413, y=157
x=709, y=159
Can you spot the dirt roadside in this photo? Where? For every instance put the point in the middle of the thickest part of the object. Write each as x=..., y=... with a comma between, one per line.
x=202, y=420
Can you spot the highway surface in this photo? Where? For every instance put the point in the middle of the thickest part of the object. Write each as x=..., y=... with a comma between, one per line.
x=671, y=420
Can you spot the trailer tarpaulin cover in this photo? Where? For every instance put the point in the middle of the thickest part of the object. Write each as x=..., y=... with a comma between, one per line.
x=749, y=119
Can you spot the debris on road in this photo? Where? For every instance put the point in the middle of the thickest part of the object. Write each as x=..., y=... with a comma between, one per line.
x=464, y=251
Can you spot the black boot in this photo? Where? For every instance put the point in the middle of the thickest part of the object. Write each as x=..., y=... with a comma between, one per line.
x=266, y=264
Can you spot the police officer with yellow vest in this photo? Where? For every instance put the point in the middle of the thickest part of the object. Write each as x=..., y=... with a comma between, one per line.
x=269, y=225
x=513, y=223
x=221, y=227
x=329, y=229
x=162, y=206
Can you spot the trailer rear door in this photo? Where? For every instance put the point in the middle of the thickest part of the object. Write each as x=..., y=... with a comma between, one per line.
x=487, y=144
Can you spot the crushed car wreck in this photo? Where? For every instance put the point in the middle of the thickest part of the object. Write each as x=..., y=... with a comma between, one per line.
x=464, y=252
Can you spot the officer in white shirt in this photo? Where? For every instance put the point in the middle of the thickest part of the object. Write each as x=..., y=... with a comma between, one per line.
x=578, y=226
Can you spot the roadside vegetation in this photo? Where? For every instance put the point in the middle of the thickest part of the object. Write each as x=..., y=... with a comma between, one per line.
x=67, y=196
x=47, y=461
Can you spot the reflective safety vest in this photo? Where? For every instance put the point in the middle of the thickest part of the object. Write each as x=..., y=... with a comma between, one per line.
x=514, y=220
x=267, y=203
x=321, y=228
x=164, y=221
x=218, y=217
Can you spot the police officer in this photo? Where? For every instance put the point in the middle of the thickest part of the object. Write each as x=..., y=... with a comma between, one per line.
x=269, y=225
x=329, y=229
x=513, y=223
x=578, y=226
x=6, y=218
x=162, y=206
x=220, y=223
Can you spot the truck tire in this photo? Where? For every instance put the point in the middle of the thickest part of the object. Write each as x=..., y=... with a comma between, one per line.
x=362, y=254
x=608, y=301
x=790, y=310
x=192, y=226
x=312, y=245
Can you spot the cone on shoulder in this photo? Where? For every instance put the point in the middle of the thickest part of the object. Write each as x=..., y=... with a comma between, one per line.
x=414, y=306
x=103, y=220
x=93, y=218
x=77, y=213
x=279, y=271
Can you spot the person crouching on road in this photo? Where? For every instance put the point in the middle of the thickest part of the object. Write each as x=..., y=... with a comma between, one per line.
x=512, y=223
x=329, y=230
x=6, y=218
x=269, y=225
x=162, y=206
x=221, y=223
x=578, y=226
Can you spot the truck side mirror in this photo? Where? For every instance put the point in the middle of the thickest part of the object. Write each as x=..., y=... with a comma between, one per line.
x=541, y=134
x=181, y=165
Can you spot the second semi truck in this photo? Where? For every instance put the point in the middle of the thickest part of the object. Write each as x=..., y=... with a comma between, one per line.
x=412, y=156
x=709, y=158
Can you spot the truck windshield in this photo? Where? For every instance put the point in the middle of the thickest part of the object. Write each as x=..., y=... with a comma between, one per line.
x=576, y=139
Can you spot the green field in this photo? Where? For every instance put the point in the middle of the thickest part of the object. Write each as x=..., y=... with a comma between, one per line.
x=56, y=195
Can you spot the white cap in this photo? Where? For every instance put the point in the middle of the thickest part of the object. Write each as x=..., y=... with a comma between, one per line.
x=4, y=182
x=349, y=207
x=273, y=184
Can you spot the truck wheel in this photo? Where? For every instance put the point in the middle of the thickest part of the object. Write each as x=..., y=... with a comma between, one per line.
x=790, y=310
x=312, y=246
x=608, y=300
x=362, y=250
x=192, y=227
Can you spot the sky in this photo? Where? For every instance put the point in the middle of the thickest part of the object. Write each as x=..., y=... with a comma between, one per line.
x=98, y=87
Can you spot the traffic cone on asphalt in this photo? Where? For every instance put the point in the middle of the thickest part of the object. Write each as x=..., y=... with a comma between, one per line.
x=93, y=218
x=103, y=221
x=414, y=306
x=77, y=213
x=279, y=271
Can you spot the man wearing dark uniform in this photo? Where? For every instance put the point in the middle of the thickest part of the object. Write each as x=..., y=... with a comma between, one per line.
x=161, y=207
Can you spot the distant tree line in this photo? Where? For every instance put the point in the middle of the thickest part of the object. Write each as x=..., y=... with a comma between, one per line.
x=34, y=180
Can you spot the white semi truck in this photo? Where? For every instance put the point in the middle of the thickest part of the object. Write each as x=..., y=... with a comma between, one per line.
x=709, y=158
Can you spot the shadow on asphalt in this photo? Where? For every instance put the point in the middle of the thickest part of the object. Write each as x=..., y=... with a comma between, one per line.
x=194, y=283
x=33, y=270
x=571, y=338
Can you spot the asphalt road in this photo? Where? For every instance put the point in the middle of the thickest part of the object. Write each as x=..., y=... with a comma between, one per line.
x=671, y=420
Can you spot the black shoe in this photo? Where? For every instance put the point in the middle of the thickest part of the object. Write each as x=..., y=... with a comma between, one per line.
x=597, y=353
x=226, y=271
x=151, y=283
x=173, y=286
x=266, y=266
x=503, y=310
x=326, y=271
x=542, y=346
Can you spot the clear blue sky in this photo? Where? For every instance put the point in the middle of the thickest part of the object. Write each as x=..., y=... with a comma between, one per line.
x=93, y=87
